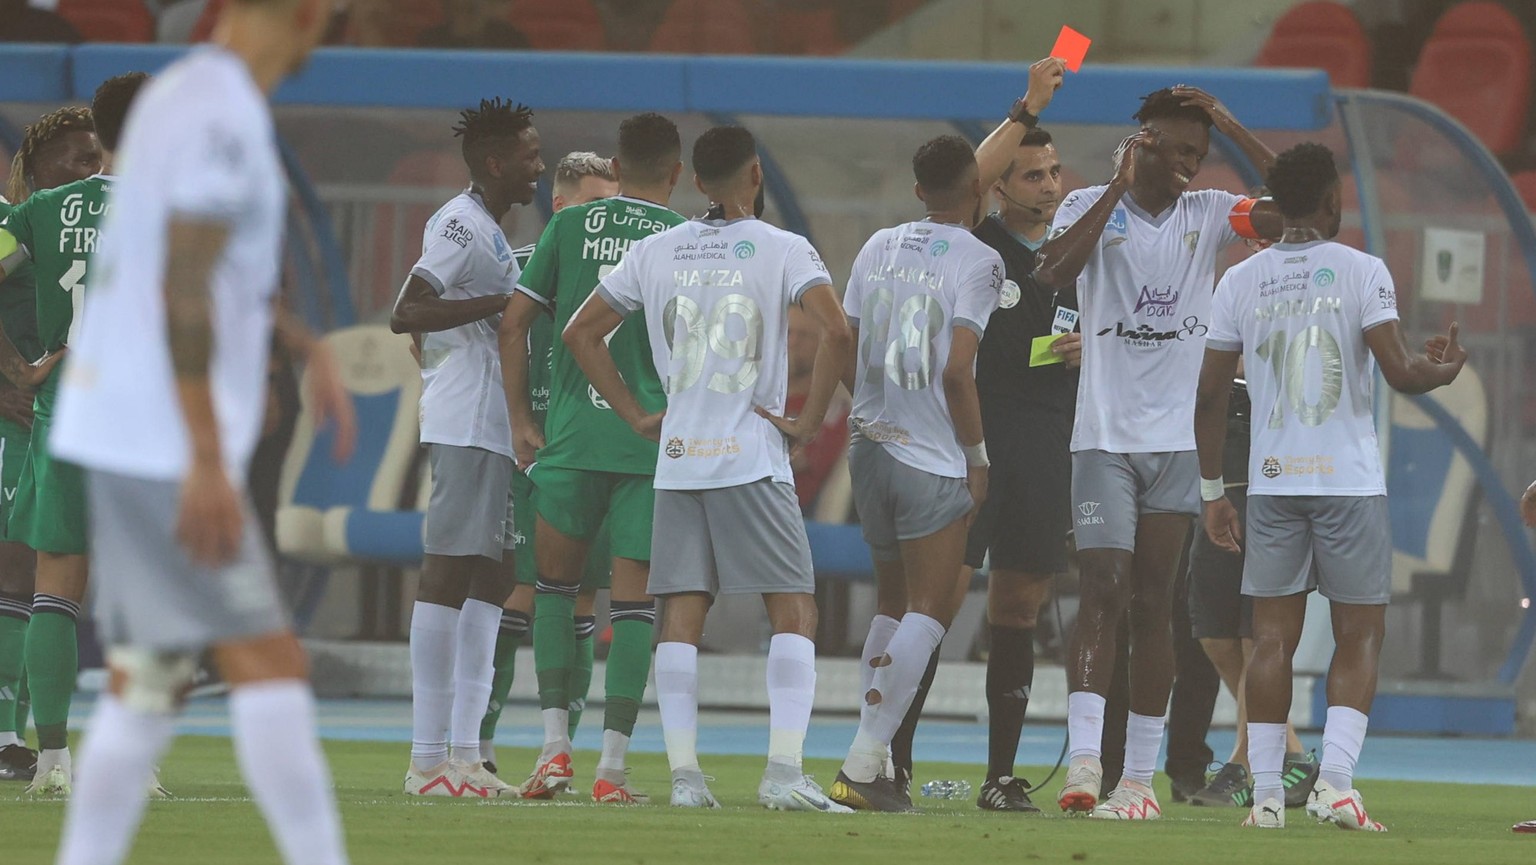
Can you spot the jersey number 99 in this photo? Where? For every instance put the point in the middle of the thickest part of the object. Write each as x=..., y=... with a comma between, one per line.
x=881, y=350
x=700, y=335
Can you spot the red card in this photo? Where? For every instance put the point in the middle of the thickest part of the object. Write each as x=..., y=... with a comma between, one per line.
x=1072, y=47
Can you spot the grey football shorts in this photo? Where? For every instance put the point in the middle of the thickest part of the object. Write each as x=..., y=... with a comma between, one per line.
x=1111, y=491
x=897, y=502
x=1348, y=537
x=149, y=594
x=470, y=511
x=746, y=539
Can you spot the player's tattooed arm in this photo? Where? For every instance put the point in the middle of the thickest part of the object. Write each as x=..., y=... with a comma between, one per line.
x=512, y=343
x=584, y=336
x=1064, y=256
x=419, y=309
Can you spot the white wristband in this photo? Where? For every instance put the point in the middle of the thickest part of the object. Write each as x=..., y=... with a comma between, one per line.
x=976, y=455
x=1212, y=489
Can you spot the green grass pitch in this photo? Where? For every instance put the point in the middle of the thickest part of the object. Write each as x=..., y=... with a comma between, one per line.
x=213, y=821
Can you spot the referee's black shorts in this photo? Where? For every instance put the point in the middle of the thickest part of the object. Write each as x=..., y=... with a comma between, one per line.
x=1218, y=609
x=1028, y=512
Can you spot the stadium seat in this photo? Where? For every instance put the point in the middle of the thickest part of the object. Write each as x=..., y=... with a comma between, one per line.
x=1476, y=67
x=205, y=22
x=1525, y=184
x=110, y=20
x=1320, y=35
x=706, y=27
x=328, y=512
x=178, y=21
x=1432, y=498
x=807, y=31
x=560, y=25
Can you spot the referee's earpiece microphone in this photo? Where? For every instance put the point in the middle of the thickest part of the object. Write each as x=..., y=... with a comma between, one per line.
x=1017, y=203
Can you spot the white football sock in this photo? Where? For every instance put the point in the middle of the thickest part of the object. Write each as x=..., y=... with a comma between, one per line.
x=1343, y=737
x=677, y=695
x=1143, y=739
x=1085, y=724
x=791, y=693
x=119, y=753
x=910, y=649
x=1266, y=760
x=279, y=752
x=557, y=732
x=881, y=629
x=9, y=738
x=474, y=662
x=610, y=765
x=433, y=627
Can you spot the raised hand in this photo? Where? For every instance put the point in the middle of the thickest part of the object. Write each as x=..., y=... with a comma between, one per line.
x=1045, y=77
x=1125, y=155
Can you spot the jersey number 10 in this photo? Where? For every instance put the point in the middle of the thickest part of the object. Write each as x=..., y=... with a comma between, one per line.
x=1288, y=362
x=701, y=335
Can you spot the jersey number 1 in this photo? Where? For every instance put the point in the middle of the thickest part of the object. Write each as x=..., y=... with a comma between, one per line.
x=73, y=282
x=1288, y=362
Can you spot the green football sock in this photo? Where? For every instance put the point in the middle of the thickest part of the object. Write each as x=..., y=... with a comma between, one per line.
x=23, y=708
x=13, y=642
x=581, y=670
x=514, y=627
x=53, y=662
x=629, y=663
x=554, y=642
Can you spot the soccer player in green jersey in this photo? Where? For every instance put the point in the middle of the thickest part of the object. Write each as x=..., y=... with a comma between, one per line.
x=587, y=465
x=57, y=230
x=60, y=148
x=581, y=177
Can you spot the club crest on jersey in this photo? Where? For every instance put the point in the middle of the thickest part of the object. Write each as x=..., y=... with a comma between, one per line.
x=1158, y=302
x=1008, y=298
x=1271, y=468
x=939, y=247
x=1191, y=240
x=674, y=448
x=744, y=249
x=597, y=399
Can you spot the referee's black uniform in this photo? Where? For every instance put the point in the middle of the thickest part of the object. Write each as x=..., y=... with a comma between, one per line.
x=1026, y=414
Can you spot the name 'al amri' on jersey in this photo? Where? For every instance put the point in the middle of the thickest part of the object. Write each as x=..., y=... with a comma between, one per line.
x=716, y=297
x=464, y=255
x=1145, y=297
x=1299, y=312
x=911, y=285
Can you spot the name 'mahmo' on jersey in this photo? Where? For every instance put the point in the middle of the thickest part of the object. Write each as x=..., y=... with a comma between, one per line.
x=607, y=247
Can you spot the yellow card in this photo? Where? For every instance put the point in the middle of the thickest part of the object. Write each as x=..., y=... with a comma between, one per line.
x=1040, y=350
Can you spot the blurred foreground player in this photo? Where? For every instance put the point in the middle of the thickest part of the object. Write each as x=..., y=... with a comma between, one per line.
x=163, y=407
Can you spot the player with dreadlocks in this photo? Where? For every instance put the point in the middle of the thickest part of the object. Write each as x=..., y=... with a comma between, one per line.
x=59, y=148
x=454, y=295
x=1141, y=251
x=57, y=230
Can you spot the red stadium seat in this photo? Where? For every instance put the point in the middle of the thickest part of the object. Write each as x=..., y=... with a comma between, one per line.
x=807, y=31
x=110, y=20
x=706, y=27
x=560, y=25
x=1320, y=35
x=205, y=22
x=1476, y=66
x=1525, y=184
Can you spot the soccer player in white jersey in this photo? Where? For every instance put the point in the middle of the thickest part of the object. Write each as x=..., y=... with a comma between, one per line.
x=918, y=299
x=162, y=405
x=454, y=295
x=1306, y=317
x=1142, y=251
x=716, y=295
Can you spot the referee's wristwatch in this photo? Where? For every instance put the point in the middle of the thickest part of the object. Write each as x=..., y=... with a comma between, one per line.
x=1020, y=114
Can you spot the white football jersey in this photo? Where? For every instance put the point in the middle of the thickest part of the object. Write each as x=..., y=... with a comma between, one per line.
x=1145, y=297
x=910, y=287
x=199, y=145
x=1299, y=312
x=465, y=254
x=716, y=296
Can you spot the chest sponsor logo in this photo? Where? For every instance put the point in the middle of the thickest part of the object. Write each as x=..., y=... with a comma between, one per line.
x=939, y=248
x=744, y=249
x=712, y=250
x=675, y=449
x=596, y=221
x=75, y=206
x=1089, y=512
x=1323, y=277
x=1145, y=336
x=458, y=232
x=1008, y=298
x=1157, y=302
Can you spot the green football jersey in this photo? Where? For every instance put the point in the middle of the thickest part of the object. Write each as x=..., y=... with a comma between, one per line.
x=580, y=246
x=541, y=340
x=18, y=303
x=60, y=229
